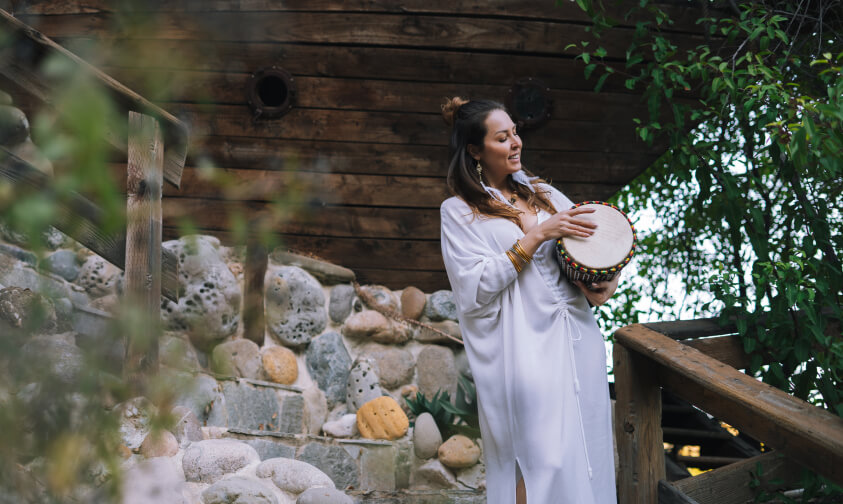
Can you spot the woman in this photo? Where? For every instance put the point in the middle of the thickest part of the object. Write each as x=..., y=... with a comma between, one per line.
x=535, y=350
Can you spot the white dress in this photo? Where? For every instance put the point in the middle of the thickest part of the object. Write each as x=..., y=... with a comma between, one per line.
x=538, y=361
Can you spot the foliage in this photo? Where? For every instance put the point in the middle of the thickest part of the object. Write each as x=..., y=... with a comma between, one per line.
x=461, y=417
x=747, y=197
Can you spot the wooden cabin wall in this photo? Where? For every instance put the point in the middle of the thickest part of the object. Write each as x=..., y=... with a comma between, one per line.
x=365, y=135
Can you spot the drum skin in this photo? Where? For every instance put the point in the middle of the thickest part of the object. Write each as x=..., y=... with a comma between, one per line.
x=601, y=256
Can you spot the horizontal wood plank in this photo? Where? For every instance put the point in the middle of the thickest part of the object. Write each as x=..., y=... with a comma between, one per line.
x=685, y=18
x=390, y=29
x=808, y=434
x=615, y=134
x=726, y=349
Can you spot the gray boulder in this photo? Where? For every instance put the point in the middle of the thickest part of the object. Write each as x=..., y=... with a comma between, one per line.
x=323, y=496
x=437, y=370
x=209, y=304
x=53, y=356
x=295, y=306
x=329, y=364
x=342, y=298
x=395, y=366
x=63, y=263
x=293, y=476
x=153, y=481
x=334, y=461
x=239, y=490
x=208, y=461
x=441, y=306
x=240, y=357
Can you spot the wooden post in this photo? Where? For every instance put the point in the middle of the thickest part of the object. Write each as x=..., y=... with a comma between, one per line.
x=637, y=428
x=143, y=245
x=254, y=325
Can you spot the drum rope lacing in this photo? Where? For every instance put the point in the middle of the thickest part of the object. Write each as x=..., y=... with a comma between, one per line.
x=569, y=330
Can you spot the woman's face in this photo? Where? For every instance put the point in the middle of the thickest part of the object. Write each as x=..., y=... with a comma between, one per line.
x=501, y=154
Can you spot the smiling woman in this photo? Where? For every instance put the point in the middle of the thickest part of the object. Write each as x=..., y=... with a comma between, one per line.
x=533, y=345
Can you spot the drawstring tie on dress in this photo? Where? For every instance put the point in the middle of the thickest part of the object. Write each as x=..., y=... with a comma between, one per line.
x=569, y=331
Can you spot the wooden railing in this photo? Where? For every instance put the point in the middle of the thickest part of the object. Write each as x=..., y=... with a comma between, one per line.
x=702, y=370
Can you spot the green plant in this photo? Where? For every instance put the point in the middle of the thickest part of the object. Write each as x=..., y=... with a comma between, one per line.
x=458, y=418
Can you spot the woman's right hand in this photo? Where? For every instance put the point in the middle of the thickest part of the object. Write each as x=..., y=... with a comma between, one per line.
x=566, y=223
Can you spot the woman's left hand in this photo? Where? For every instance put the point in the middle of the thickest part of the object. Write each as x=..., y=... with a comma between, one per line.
x=598, y=293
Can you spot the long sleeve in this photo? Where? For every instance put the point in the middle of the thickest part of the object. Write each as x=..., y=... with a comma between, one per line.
x=476, y=261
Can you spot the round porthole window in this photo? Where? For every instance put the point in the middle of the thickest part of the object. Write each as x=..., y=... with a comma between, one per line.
x=271, y=93
x=529, y=102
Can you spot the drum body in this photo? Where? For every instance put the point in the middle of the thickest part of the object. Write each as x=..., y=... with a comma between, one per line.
x=601, y=256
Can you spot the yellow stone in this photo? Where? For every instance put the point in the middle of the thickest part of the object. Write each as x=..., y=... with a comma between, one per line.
x=382, y=418
x=280, y=364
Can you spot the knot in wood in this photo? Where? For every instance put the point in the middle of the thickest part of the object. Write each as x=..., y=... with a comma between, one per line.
x=628, y=427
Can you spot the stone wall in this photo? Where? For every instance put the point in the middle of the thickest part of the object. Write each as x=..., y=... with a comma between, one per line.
x=315, y=414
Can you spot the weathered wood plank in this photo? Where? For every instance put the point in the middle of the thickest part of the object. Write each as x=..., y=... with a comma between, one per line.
x=669, y=494
x=79, y=218
x=403, y=128
x=685, y=18
x=733, y=484
x=145, y=175
x=726, y=349
x=22, y=55
x=190, y=86
x=441, y=65
x=391, y=29
x=637, y=428
x=687, y=329
x=810, y=435
x=340, y=221
x=411, y=160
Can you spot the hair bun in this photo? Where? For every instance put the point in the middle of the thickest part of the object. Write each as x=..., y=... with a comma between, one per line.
x=450, y=107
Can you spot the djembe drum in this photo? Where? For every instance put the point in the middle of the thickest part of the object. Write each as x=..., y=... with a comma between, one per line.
x=601, y=256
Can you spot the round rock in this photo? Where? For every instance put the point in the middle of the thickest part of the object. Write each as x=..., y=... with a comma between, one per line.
x=378, y=296
x=63, y=263
x=239, y=490
x=329, y=364
x=159, y=444
x=382, y=418
x=292, y=475
x=395, y=366
x=323, y=496
x=98, y=276
x=279, y=364
x=339, y=308
x=443, y=329
x=369, y=324
x=436, y=370
x=459, y=452
x=240, y=357
x=441, y=306
x=187, y=428
x=52, y=355
x=412, y=302
x=295, y=306
x=208, y=461
x=426, y=436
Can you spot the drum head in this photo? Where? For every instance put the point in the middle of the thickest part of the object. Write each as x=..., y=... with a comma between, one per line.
x=608, y=246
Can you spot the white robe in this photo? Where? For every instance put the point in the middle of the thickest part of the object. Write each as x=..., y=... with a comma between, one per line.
x=538, y=361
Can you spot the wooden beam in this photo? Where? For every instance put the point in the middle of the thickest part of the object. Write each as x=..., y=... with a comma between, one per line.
x=637, y=428
x=254, y=322
x=740, y=482
x=82, y=220
x=669, y=494
x=22, y=57
x=143, y=244
x=808, y=434
x=726, y=349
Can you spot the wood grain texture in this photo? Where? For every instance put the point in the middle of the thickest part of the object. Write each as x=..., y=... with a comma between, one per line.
x=733, y=484
x=637, y=428
x=254, y=322
x=726, y=349
x=809, y=435
x=433, y=31
x=145, y=175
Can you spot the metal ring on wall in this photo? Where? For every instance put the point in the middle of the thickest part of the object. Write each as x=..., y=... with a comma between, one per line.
x=271, y=93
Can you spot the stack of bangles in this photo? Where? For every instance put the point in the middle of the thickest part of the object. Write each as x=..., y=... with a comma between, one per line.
x=518, y=256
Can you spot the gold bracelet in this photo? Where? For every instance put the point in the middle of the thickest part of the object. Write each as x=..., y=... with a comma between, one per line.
x=514, y=260
x=521, y=252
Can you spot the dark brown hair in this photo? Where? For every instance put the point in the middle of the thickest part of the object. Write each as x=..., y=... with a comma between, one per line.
x=468, y=121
